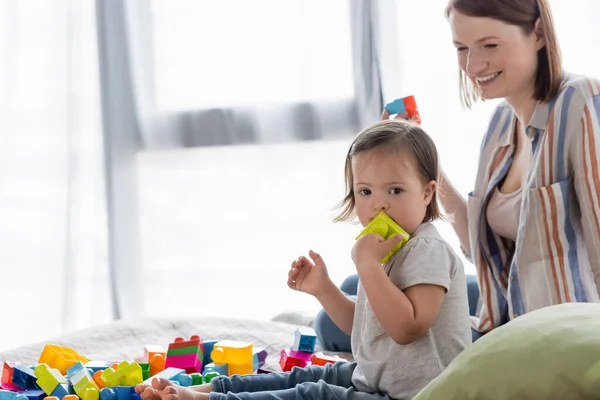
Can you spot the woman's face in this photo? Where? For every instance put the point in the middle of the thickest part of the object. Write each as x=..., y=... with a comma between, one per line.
x=499, y=58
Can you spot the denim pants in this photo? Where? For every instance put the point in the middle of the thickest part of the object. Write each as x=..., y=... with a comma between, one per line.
x=334, y=339
x=332, y=381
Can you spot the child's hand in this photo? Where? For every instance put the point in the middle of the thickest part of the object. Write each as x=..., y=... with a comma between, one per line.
x=307, y=277
x=371, y=248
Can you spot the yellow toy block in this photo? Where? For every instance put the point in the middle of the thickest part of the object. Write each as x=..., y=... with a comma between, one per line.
x=386, y=227
x=61, y=358
x=232, y=352
x=84, y=385
x=126, y=374
x=240, y=369
x=48, y=378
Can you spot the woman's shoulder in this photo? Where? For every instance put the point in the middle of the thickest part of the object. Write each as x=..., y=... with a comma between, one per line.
x=584, y=86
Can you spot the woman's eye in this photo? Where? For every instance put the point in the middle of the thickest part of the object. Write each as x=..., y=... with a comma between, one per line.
x=490, y=46
x=461, y=49
x=395, y=191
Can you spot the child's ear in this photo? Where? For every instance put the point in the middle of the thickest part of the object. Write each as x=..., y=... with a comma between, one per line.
x=430, y=188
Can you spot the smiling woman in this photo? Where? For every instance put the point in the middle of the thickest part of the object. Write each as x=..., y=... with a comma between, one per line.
x=541, y=150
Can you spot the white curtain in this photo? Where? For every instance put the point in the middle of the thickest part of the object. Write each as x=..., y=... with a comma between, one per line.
x=53, y=260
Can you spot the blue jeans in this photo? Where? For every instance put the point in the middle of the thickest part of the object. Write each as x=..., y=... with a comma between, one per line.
x=333, y=381
x=334, y=339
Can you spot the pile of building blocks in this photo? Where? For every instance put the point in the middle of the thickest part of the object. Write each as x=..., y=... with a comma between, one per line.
x=302, y=353
x=63, y=374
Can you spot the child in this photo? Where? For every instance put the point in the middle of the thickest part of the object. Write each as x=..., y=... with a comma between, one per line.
x=411, y=316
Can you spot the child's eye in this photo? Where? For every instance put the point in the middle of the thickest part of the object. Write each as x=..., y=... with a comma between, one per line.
x=364, y=192
x=396, y=191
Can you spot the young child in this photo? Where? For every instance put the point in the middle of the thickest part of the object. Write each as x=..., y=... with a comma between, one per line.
x=411, y=316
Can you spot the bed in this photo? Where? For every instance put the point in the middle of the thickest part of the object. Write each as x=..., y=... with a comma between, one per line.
x=125, y=339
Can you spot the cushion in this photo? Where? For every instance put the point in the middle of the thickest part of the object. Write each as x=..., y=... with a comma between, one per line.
x=550, y=353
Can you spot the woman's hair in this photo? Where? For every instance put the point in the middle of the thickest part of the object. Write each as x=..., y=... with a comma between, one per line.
x=524, y=14
x=401, y=138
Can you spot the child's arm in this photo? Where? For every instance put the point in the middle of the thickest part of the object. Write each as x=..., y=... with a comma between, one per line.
x=310, y=278
x=405, y=316
x=339, y=307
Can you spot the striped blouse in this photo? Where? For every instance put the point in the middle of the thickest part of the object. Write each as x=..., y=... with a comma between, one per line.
x=556, y=257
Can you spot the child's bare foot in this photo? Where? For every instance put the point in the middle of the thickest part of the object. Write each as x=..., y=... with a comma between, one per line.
x=154, y=390
x=183, y=393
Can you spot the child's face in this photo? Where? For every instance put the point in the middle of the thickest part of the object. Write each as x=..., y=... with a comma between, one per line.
x=384, y=181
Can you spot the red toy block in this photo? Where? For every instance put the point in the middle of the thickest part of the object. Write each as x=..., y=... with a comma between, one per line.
x=288, y=362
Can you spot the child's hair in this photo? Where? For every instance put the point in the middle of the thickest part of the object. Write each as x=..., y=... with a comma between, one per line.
x=398, y=136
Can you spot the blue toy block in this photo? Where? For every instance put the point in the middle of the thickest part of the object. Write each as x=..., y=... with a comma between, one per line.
x=34, y=394
x=24, y=377
x=183, y=380
x=62, y=390
x=8, y=395
x=96, y=366
x=305, y=339
x=208, y=348
x=396, y=106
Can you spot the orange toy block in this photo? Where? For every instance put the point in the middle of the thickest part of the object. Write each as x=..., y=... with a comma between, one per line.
x=319, y=358
x=60, y=358
x=156, y=357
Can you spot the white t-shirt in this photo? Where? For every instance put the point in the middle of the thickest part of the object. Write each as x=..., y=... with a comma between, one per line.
x=402, y=371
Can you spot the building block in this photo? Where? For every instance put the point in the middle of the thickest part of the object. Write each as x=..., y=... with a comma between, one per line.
x=83, y=382
x=386, y=227
x=407, y=104
x=185, y=354
x=319, y=358
x=60, y=357
x=197, y=379
x=34, y=394
x=48, y=379
x=240, y=369
x=209, y=376
x=96, y=365
x=8, y=395
x=221, y=369
x=305, y=339
x=126, y=374
x=301, y=355
x=119, y=393
x=208, y=348
x=189, y=362
x=167, y=373
x=97, y=377
x=287, y=362
x=232, y=352
x=61, y=391
x=259, y=355
x=264, y=371
x=156, y=357
x=7, y=377
x=24, y=377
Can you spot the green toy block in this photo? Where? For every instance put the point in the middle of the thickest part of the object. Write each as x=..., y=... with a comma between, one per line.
x=386, y=227
x=185, y=350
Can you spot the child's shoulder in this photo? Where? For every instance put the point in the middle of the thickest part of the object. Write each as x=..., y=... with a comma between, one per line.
x=427, y=240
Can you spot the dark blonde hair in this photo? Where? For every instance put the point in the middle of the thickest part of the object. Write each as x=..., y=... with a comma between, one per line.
x=524, y=14
x=396, y=136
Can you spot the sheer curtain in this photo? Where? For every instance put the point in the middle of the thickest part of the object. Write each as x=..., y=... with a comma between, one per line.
x=52, y=221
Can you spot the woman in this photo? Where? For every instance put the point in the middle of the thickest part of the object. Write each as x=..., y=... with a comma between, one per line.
x=531, y=225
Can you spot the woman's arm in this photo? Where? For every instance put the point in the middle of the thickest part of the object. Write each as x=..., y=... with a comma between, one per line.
x=456, y=206
x=585, y=159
